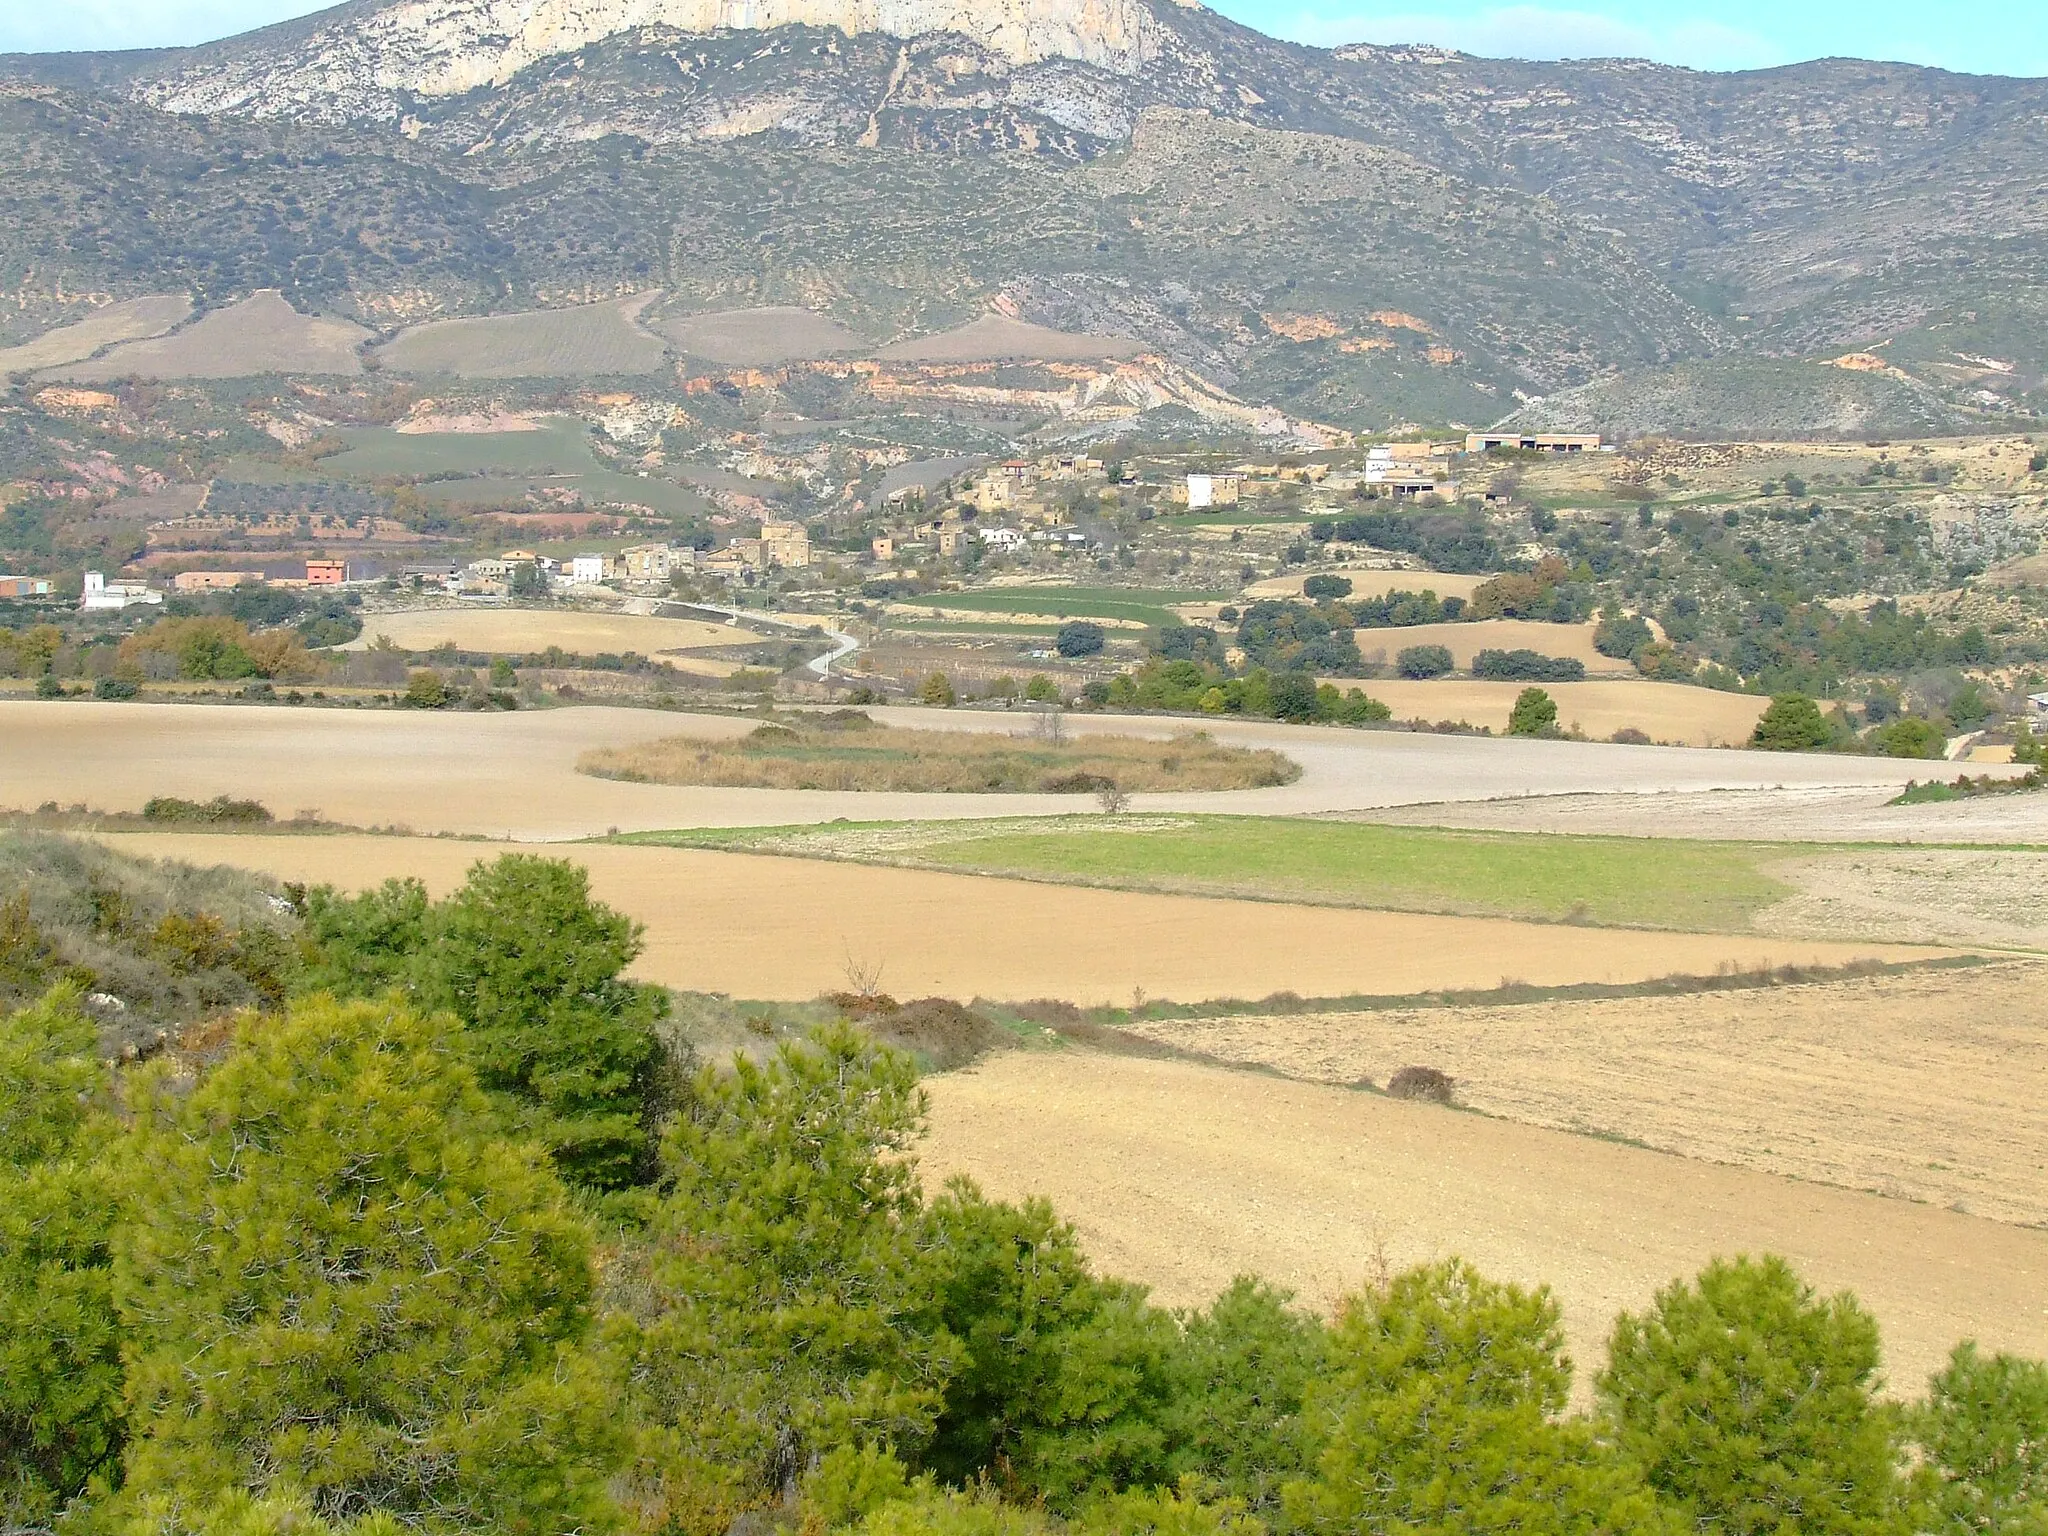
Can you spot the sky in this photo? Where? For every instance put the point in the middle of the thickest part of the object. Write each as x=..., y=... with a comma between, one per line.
x=1973, y=36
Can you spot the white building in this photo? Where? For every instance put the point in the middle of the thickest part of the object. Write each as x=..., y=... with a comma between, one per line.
x=1004, y=539
x=588, y=570
x=1213, y=491
x=101, y=593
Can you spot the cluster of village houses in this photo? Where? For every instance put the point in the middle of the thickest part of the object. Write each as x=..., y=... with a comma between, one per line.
x=1003, y=507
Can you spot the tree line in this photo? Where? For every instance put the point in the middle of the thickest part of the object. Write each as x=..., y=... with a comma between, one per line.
x=456, y=1240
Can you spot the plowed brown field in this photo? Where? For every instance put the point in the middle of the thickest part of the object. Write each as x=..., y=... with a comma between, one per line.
x=764, y=927
x=1932, y=1087
x=1184, y=1176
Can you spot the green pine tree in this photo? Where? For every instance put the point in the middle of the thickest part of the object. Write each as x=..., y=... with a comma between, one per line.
x=532, y=966
x=1534, y=714
x=1750, y=1403
x=340, y=1287
x=1066, y=1388
x=1244, y=1370
x=1443, y=1417
x=783, y=1307
x=1792, y=723
x=1983, y=1436
x=61, y=1415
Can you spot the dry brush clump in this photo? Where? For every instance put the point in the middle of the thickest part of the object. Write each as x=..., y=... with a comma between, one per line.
x=841, y=755
x=153, y=946
x=1424, y=1083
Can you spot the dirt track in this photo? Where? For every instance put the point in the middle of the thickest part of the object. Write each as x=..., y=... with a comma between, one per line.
x=1184, y=1176
x=764, y=927
x=500, y=774
x=1932, y=1087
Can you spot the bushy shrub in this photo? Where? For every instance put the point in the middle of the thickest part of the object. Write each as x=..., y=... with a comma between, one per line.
x=1321, y=589
x=1525, y=666
x=1909, y=736
x=939, y=1032
x=1983, y=1435
x=219, y=811
x=1419, y=661
x=1080, y=638
x=1792, y=723
x=1751, y=1404
x=1402, y=610
x=1443, y=1415
x=1623, y=638
x=1427, y=1083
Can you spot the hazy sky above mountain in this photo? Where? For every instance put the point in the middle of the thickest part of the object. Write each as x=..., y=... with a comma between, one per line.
x=1984, y=36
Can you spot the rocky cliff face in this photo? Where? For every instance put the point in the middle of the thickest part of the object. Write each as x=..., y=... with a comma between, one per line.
x=363, y=61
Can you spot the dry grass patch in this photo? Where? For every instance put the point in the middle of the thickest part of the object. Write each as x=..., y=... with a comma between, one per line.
x=997, y=339
x=759, y=338
x=851, y=752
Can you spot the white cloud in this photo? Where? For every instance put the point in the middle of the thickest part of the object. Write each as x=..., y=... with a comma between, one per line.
x=56, y=25
x=1537, y=32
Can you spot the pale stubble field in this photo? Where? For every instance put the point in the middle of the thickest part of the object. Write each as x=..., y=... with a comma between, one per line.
x=1184, y=1176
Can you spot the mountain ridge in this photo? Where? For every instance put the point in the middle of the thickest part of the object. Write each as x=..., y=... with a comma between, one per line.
x=1551, y=224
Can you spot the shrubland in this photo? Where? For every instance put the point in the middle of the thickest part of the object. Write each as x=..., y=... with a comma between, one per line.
x=419, y=1247
x=852, y=752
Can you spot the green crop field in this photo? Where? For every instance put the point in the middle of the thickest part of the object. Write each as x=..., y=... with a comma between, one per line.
x=1605, y=881
x=1142, y=605
x=558, y=448
x=492, y=468
x=591, y=340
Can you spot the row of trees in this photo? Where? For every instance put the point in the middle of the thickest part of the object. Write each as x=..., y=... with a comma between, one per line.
x=364, y=1274
x=1794, y=723
x=1192, y=686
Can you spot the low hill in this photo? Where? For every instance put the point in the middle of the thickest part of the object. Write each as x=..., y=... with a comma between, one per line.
x=1748, y=398
x=589, y=340
x=262, y=334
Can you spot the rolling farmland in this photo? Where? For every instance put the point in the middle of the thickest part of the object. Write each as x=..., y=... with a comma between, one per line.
x=262, y=334
x=591, y=340
x=759, y=338
x=1183, y=1176
x=965, y=935
x=129, y=320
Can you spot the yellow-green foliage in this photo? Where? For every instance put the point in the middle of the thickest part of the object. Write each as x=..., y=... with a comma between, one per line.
x=387, y=1296
x=60, y=1368
x=220, y=648
x=904, y=761
x=28, y=652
